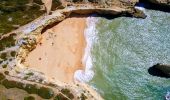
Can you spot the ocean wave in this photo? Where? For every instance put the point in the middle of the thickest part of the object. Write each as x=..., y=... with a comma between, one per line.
x=140, y=8
x=90, y=35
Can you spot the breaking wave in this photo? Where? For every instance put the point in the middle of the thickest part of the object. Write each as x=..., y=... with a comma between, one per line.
x=90, y=34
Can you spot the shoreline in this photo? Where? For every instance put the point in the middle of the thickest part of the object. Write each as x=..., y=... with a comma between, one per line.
x=59, y=53
x=28, y=36
x=90, y=34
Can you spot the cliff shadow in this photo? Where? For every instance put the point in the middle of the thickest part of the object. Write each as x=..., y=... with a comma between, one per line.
x=152, y=6
x=72, y=15
x=156, y=72
x=111, y=17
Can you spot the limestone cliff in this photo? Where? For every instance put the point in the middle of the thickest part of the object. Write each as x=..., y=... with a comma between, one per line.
x=16, y=45
x=108, y=3
x=161, y=2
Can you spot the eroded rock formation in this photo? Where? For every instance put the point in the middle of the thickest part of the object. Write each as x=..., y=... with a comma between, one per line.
x=164, y=68
x=161, y=2
x=25, y=39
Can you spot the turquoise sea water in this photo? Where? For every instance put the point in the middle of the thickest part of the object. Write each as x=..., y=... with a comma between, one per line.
x=124, y=50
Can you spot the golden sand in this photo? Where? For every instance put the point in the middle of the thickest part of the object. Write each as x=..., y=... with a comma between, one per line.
x=60, y=51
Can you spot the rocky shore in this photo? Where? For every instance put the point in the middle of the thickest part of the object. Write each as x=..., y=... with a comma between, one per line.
x=25, y=40
x=16, y=45
x=161, y=2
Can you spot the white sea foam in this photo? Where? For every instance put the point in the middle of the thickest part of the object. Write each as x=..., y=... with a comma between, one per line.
x=140, y=8
x=90, y=35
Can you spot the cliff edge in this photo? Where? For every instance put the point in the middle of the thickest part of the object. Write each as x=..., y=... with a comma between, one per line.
x=16, y=45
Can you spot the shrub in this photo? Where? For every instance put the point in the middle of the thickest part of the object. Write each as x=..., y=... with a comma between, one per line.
x=2, y=76
x=67, y=93
x=13, y=53
x=45, y=93
x=83, y=97
x=29, y=98
x=60, y=97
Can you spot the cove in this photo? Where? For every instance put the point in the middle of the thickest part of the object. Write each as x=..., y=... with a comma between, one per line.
x=124, y=49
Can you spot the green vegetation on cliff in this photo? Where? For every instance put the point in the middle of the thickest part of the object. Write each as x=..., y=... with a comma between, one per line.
x=15, y=13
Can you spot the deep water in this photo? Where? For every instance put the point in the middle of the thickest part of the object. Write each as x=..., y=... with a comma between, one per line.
x=124, y=50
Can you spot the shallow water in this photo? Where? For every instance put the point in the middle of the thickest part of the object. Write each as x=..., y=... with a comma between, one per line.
x=124, y=50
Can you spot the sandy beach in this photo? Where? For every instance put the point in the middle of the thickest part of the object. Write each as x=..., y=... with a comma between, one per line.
x=59, y=53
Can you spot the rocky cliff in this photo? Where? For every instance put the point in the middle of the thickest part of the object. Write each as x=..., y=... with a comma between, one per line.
x=16, y=45
x=161, y=2
x=108, y=3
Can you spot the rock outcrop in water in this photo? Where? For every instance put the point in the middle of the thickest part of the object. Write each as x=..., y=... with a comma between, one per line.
x=16, y=45
x=160, y=70
x=164, y=68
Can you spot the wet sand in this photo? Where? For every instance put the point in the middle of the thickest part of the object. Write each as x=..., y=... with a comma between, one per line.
x=60, y=51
